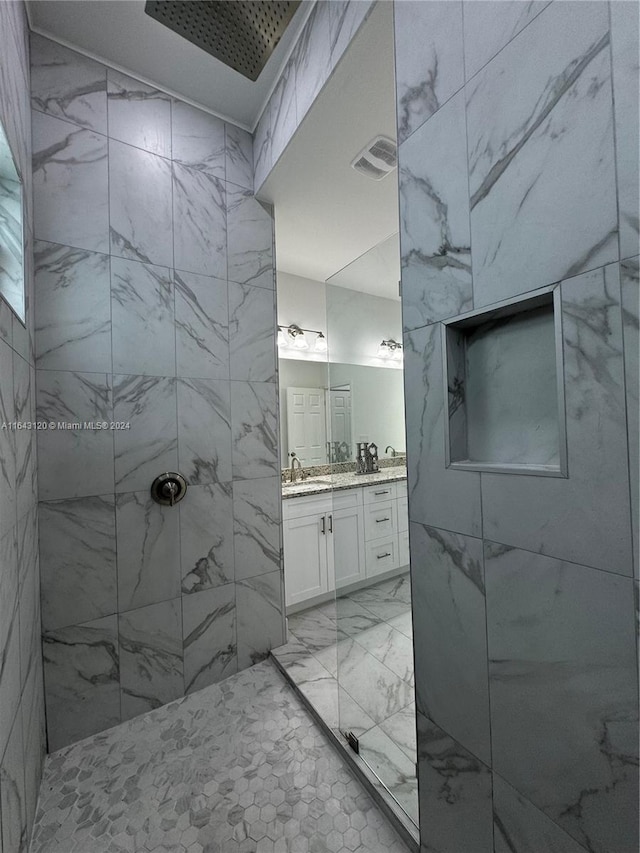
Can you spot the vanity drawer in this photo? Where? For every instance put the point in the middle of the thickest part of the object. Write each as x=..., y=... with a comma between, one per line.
x=301, y=507
x=381, y=555
x=376, y=494
x=347, y=498
x=380, y=520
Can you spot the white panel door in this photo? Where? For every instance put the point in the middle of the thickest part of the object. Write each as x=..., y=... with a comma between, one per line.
x=347, y=527
x=340, y=408
x=306, y=425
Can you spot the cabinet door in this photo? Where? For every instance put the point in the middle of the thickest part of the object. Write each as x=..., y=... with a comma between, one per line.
x=348, y=545
x=305, y=558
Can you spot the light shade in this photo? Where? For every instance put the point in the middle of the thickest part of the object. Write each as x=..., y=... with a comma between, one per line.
x=321, y=343
x=282, y=338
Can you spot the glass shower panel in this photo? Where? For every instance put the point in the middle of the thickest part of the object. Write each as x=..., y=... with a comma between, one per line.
x=369, y=524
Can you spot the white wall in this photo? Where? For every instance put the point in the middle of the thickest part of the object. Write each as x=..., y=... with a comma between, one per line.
x=354, y=323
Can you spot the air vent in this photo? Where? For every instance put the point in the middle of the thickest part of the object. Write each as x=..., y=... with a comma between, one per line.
x=241, y=34
x=378, y=158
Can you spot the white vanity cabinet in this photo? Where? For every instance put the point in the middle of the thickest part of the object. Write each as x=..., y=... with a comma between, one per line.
x=338, y=540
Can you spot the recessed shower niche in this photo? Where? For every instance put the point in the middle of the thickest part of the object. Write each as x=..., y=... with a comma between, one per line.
x=503, y=376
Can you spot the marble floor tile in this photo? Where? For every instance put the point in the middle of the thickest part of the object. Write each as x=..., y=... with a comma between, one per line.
x=403, y=623
x=391, y=648
x=13, y=829
x=315, y=630
x=370, y=683
x=401, y=728
x=237, y=767
x=393, y=767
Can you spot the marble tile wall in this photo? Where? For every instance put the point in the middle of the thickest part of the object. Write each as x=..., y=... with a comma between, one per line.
x=154, y=307
x=22, y=736
x=324, y=38
x=518, y=160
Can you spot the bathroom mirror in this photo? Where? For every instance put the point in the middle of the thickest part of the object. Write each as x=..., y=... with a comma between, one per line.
x=365, y=404
x=11, y=231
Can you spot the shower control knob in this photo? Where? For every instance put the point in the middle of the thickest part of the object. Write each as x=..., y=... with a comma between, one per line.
x=168, y=489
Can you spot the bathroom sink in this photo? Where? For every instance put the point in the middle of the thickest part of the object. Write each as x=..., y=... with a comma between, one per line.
x=306, y=484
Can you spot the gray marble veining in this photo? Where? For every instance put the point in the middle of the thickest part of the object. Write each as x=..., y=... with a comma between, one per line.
x=435, y=248
x=260, y=618
x=138, y=114
x=438, y=496
x=312, y=58
x=138, y=183
x=77, y=560
x=252, y=319
x=13, y=830
x=284, y=117
x=249, y=239
x=199, y=222
x=253, y=430
x=150, y=641
x=142, y=308
x=624, y=53
x=450, y=632
x=553, y=127
x=74, y=461
x=70, y=184
x=257, y=526
x=202, y=330
x=150, y=445
x=7, y=439
x=148, y=549
x=207, y=541
x=489, y=27
x=204, y=430
x=455, y=794
x=198, y=139
x=429, y=69
x=239, y=156
x=630, y=284
x=391, y=764
x=209, y=636
x=82, y=677
x=563, y=675
x=68, y=85
x=72, y=311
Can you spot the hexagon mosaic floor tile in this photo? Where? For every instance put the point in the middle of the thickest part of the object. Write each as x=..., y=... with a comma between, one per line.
x=239, y=767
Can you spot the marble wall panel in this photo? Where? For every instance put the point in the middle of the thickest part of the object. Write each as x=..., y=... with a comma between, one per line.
x=429, y=70
x=449, y=628
x=535, y=129
x=73, y=313
x=563, y=676
x=138, y=114
x=626, y=94
x=435, y=247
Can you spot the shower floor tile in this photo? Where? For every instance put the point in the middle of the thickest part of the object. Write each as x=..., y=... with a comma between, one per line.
x=353, y=660
x=239, y=767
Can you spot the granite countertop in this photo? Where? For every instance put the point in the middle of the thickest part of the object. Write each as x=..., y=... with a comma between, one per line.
x=337, y=482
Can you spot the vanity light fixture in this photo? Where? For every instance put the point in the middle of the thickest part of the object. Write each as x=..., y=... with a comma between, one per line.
x=390, y=349
x=293, y=336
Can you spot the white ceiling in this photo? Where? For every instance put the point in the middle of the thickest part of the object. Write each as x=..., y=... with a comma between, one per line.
x=119, y=33
x=327, y=215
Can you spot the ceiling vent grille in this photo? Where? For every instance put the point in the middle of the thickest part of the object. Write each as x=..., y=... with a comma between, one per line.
x=377, y=159
x=241, y=34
